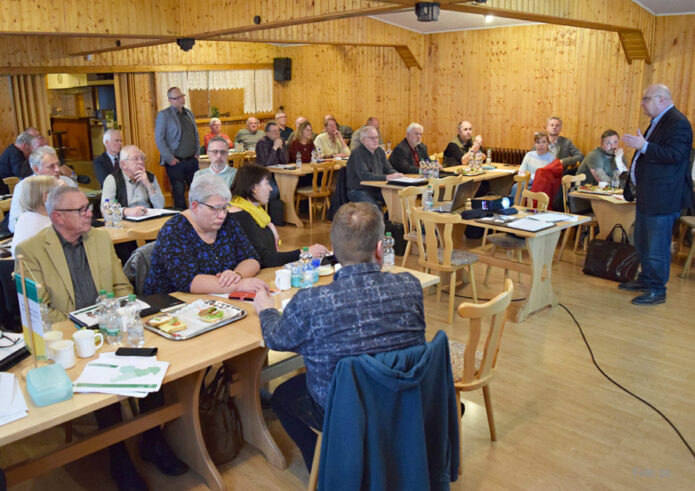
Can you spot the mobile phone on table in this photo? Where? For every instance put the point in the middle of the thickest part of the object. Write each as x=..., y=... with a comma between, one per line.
x=245, y=296
x=136, y=351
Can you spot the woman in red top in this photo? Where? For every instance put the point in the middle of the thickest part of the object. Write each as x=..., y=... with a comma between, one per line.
x=304, y=143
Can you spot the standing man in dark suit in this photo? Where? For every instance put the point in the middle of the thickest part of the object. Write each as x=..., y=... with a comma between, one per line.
x=177, y=139
x=107, y=162
x=660, y=182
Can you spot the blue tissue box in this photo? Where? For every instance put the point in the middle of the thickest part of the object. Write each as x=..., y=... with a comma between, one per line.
x=48, y=384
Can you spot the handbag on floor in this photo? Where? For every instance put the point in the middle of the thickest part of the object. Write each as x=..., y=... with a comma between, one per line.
x=219, y=419
x=612, y=260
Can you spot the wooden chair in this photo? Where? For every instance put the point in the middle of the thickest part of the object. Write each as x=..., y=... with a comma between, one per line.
x=443, y=188
x=592, y=225
x=237, y=159
x=689, y=223
x=473, y=367
x=510, y=242
x=408, y=198
x=437, y=156
x=442, y=259
x=11, y=182
x=521, y=186
x=141, y=237
x=319, y=190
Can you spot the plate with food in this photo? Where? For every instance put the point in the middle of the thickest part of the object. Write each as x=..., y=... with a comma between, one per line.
x=194, y=319
x=325, y=270
x=594, y=189
x=470, y=171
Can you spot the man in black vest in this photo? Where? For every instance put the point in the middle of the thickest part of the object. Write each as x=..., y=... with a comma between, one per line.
x=132, y=186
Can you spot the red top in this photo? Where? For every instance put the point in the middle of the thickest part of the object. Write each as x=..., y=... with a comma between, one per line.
x=305, y=150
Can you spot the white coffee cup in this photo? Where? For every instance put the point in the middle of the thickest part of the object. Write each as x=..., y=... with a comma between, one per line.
x=283, y=279
x=336, y=267
x=85, y=343
x=49, y=338
x=64, y=353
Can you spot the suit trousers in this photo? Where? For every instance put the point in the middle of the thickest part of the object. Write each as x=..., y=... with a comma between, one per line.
x=180, y=177
x=653, y=245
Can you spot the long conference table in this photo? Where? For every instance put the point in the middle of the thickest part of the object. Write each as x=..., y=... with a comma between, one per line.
x=239, y=346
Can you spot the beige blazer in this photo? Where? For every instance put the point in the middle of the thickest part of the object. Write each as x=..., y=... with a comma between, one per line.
x=44, y=261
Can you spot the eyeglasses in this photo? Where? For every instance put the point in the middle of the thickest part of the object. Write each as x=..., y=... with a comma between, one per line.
x=139, y=158
x=648, y=98
x=82, y=211
x=218, y=152
x=6, y=341
x=182, y=96
x=217, y=209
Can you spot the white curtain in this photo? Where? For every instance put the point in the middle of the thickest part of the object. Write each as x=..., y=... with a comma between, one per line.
x=257, y=85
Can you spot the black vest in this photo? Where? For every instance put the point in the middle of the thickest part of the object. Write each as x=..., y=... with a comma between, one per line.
x=121, y=192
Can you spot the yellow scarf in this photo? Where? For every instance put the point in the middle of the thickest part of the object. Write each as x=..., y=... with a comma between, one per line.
x=256, y=212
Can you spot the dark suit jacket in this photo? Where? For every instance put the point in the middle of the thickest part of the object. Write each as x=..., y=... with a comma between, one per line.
x=664, y=183
x=102, y=167
x=402, y=157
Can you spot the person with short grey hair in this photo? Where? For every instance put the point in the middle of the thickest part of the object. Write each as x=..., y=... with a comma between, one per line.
x=215, y=132
x=285, y=131
x=561, y=147
x=250, y=135
x=15, y=155
x=356, y=140
x=108, y=161
x=408, y=154
x=203, y=249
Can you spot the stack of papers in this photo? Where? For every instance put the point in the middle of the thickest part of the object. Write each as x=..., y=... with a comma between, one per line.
x=151, y=213
x=12, y=403
x=132, y=376
x=552, y=217
x=529, y=224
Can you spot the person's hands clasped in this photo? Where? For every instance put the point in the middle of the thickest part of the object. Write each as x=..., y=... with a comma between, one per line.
x=228, y=278
x=318, y=251
x=277, y=143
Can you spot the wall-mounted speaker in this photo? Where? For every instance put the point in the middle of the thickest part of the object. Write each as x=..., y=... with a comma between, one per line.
x=282, y=69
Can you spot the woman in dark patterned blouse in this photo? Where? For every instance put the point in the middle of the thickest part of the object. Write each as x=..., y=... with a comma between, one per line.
x=203, y=249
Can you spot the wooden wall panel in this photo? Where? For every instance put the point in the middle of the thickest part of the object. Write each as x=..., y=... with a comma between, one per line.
x=674, y=60
x=508, y=81
x=8, y=127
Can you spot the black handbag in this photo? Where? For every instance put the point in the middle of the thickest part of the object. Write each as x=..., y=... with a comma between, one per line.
x=612, y=260
x=219, y=419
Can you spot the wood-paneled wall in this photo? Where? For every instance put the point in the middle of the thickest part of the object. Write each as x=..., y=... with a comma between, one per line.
x=8, y=126
x=508, y=81
x=674, y=60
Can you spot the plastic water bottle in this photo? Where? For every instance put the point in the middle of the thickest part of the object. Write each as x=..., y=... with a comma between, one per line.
x=106, y=211
x=101, y=311
x=489, y=157
x=299, y=159
x=314, y=156
x=435, y=169
x=389, y=254
x=135, y=330
x=112, y=320
x=117, y=215
x=429, y=198
x=305, y=268
x=296, y=275
x=319, y=154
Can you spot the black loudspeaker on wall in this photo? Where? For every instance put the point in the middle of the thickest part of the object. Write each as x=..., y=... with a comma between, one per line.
x=282, y=69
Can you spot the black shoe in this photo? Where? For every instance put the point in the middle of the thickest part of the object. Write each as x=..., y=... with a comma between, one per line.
x=463, y=409
x=154, y=449
x=123, y=471
x=633, y=286
x=649, y=298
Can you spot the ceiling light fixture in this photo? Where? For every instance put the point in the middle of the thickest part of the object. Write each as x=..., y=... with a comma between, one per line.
x=489, y=19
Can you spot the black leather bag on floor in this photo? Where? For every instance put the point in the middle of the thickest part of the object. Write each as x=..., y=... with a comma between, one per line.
x=612, y=260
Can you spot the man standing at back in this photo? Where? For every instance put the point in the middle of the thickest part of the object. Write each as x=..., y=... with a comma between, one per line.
x=362, y=311
x=178, y=142
x=661, y=183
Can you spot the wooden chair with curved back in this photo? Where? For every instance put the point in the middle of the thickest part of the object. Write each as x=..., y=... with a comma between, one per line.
x=474, y=363
x=529, y=199
x=237, y=159
x=522, y=182
x=592, y=225
x=438, y=227
x=443, y=188
x=11, y=182
x=408, y=198
x=320, y=189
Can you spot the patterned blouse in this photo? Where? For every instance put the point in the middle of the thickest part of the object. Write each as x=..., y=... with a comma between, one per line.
x=180, y=254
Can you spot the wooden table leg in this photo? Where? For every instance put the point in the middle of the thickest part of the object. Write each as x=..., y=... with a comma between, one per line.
x=184, y=435
x=608, y=214
x=287, y=184
x=248, y=369
x=393, y=204
x=540, y=295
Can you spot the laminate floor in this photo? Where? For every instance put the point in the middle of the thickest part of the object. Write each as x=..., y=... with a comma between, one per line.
x=560, y=423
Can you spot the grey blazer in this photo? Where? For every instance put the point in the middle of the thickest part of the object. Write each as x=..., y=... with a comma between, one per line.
x=167, y=133
x=567, y=152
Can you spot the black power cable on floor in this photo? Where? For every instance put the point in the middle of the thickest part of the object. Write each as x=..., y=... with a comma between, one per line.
x=581, y=331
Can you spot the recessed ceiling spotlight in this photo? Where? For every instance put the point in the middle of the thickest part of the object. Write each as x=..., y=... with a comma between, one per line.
x=489, y=19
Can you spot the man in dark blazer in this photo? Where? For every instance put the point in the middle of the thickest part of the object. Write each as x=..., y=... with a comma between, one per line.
x=107, y=162
x=408, y=154
x=661, y=184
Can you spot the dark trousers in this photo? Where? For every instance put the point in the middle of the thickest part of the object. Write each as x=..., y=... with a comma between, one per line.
x=653, y=245
x=298, y=413
x=275, y=191
x=180, y=177
x=366, y=196
x=110, y=415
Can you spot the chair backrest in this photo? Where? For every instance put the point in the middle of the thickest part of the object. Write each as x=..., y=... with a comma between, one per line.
x=142, y=236
x=238, y=159
x=322, y=178
x=521, y=186
x=538, y=201
x=567, y=182
x=11, y=182
x=138, y=265
x=437, y=156
x=437, y=227
x=408, y=198
x=443, y=188
x=496, y=311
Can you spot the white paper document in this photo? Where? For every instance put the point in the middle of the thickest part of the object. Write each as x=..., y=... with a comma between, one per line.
x=151, y=213
x=551, y=217
x=529, y=224
x=122, y=375
x=12, y=403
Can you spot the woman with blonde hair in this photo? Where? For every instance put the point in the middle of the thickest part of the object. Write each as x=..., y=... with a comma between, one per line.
x=35, y=189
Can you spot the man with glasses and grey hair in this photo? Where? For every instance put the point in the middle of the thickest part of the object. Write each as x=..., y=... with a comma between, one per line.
x=408, y=154
x=44, y=162
x=131, y=185
x=177, y=139
x=108, y=161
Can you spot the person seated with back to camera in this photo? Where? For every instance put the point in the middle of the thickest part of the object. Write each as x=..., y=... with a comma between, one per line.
x=35, y=218
x=251, y=190
x=203, y=249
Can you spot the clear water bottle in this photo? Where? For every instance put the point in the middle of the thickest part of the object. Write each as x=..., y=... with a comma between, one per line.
x=299, y=159
x=488, y=161
x=314, y=156
x=306, y=269
x=388, y=147
x=319, y=154
x=135, y=329
x=106, y=211
x=615, y=179
x=112, y=320
x=429, y=198
x=389, y=254
x=435, y=169
x=296, y=275
x=422, y=170
x=117, y=215
x=101, y=311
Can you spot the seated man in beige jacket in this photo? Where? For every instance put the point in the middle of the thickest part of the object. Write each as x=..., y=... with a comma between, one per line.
x=72, y=262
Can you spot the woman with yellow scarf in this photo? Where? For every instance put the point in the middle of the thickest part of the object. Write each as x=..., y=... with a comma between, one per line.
x=250, y=191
